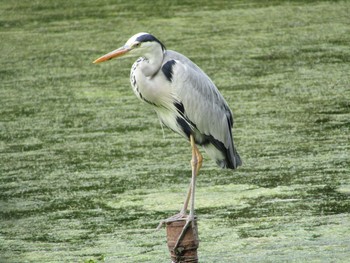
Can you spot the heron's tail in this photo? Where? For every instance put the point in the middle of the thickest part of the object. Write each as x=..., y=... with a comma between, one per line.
x=230, y=160
x=225, y=157
x=235, y=160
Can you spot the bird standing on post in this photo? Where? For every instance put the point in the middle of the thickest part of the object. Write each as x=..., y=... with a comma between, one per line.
x=186, y=101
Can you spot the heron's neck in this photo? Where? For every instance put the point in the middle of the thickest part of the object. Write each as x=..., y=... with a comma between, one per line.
x=152, y=63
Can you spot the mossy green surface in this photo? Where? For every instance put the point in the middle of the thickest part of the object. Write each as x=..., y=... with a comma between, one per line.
x=86, y=172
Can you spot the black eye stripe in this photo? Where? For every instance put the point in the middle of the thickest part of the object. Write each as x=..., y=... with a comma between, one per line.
x=149, y=38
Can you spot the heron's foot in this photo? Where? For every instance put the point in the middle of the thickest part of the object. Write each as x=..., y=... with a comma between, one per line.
x=179, y=216
x=189, y=222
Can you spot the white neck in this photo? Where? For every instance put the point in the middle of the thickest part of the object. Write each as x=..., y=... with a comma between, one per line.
x=153, y=62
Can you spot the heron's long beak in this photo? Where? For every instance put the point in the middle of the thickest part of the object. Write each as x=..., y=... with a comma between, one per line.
x=114, y=54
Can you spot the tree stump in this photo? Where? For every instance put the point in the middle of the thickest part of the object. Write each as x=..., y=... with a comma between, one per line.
x=187, y=248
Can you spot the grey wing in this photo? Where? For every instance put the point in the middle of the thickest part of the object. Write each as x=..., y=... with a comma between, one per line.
x=204, y=111
x=203, y=105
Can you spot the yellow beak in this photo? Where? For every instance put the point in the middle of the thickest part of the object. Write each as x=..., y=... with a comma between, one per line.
x=114, y=54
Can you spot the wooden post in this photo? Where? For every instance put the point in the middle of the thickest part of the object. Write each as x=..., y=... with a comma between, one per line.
x=187, y=248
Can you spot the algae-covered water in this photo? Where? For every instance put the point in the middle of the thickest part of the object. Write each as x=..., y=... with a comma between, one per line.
x=86, y=171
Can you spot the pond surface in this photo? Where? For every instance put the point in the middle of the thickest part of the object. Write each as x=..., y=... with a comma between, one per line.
x=87, y=173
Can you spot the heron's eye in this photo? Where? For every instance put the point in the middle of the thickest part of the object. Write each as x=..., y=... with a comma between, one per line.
x=137, y=45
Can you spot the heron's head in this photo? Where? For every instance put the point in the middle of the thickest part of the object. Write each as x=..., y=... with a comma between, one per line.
x=141, y=44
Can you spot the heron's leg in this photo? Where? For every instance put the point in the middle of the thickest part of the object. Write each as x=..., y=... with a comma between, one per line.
x=181, y=214
x=196, y=164
x=196, y=161
x=184, y=208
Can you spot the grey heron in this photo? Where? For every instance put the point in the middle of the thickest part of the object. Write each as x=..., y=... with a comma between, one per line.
x=185, y=100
